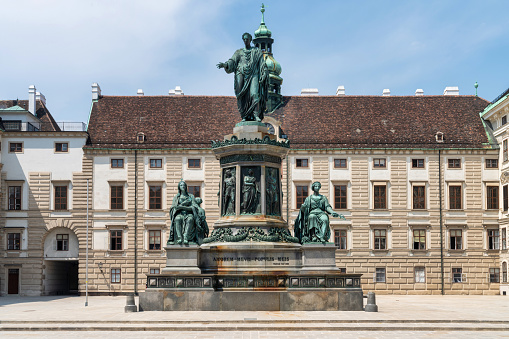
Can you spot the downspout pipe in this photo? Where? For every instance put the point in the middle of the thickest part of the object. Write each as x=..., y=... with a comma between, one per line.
x=135, y=222
x=441, y=220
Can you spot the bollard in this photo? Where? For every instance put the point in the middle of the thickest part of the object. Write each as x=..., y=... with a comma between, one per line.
x=130, y=305
x=371, y=303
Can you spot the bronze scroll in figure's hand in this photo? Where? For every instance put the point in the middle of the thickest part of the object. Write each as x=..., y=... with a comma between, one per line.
x=220, y=65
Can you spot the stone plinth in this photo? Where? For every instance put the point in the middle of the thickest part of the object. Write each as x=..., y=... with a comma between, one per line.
x=317, y=257
x=182, y=258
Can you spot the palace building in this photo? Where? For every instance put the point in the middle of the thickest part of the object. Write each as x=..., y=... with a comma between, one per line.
x=416, y=177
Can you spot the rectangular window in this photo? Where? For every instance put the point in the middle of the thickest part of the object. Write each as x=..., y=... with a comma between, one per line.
x=117, y=197
x=117, y=163
x=379, y=163
x=301, y=163
x=60, y=198
x=491, y=163
x=380, y=196
x=454, y=163
x=455, y=197
x=15, y=147
x=194, y=190
x=420, y=274
x=154, y=271
x=419, y=239
x=504, y=272
x=154, y=197
x=13, y=241
x=505, y=193
x=380, y=239
x=62, y=242
x=503, y=238
x=417, y=163
x=504, y=147
x=339, y=163
x=193, y=163
x=455, y=239
x=61, y=147
x=14, y=198
x=340, y=197
x=380, y=274
x=493, y=239
x=340, y=239
x=457, y=275
x=342, y=269
x=154, y=240
x=301, y=195
x=115, y=275
x=116, y=240
x=156, y=163
x=492, y=197
x=504, y=120
x=494, y=275
x=419, y=197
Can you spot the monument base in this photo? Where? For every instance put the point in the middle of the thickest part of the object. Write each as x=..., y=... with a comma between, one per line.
x=348, y=299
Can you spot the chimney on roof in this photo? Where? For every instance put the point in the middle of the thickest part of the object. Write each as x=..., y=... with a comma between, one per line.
x=419, y=92
x=96, y=91
x=340, y=91
x=31, y=99
x=41, y=97
x=140, y=92
x=452, y=91
x=309, y=91
x=386, y=92
x=176, y=91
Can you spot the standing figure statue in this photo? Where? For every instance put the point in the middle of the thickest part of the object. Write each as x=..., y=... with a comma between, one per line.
x=183, y=215
x=201, y=222
x=229, y=192
x=312, y=224
x=272, y=189
x=251, y=79
x=250, y=194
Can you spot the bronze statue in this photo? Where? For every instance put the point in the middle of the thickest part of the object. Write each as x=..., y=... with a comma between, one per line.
x=229, y=192
x=272, y=188
x=251, y=80
x=203, y=227
x=250, y=194
x=312, y=224
x=186, y=223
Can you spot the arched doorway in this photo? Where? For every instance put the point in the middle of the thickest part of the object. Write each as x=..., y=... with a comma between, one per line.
x=61, y=262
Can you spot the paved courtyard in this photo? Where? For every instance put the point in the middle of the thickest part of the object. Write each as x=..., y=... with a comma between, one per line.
x=398, y=317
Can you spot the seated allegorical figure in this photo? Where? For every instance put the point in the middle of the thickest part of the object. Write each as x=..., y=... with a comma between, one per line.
x=312, y=224
x=187, y=218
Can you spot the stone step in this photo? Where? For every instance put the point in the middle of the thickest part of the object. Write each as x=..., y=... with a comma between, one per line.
x=255, y=325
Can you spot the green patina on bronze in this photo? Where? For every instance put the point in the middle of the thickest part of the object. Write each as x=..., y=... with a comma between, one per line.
x=236, y=141
x=250, y=157
x=312, y=224
x=272, y=197
x=251, y=234
x=251, y=80
x=188, y=222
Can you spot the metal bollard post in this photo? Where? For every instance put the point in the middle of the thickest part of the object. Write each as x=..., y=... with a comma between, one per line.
x=371, y=303
x=130, y=305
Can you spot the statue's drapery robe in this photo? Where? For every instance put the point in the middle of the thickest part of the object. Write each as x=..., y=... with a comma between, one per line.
x=174, y=212
x=251, y=81
x=313, y=221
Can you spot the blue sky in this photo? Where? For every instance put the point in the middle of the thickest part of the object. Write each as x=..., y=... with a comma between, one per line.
x=63, y=46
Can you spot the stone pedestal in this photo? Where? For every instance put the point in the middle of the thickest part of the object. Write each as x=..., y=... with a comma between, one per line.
x=250, y=261
x=182, y=259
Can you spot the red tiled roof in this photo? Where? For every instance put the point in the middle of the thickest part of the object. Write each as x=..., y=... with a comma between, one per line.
x=42, y=112
x=316, y=122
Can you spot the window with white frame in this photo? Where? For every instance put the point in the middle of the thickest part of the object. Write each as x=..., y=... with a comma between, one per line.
x=380, y=275
x=419, y=239
x=379, y=195
x=115, y=276
x=62, y=242
x=457, y=275
x=494, y=275
x=340, y=239
x=419, y=196
x=380, y=239
x=455, y=197
x=420, y=274
x=60, y=197
x=503, y=237
x=492, y=197
x=154, y=240
x=455, y=239
x=14, y=197
x=14, y=241
x=493, y=238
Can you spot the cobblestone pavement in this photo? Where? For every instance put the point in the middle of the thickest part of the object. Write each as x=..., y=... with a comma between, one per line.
x=398, y=317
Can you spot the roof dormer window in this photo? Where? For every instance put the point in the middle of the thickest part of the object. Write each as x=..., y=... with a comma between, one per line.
x=439, y=137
